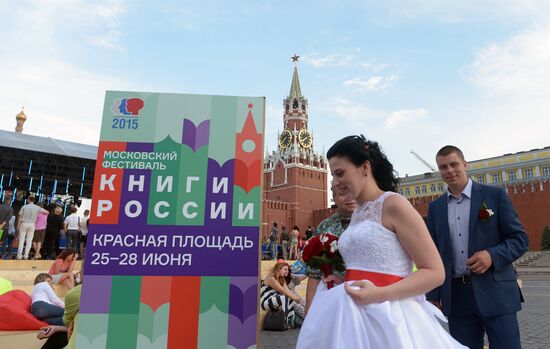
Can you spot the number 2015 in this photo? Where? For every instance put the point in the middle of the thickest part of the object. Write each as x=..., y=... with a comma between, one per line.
x=125, y=123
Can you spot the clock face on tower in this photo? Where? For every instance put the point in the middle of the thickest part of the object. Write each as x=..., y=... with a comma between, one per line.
x=285, y=139
x=305, y=138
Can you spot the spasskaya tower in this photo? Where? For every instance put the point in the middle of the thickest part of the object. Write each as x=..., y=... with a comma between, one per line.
x=295, y=175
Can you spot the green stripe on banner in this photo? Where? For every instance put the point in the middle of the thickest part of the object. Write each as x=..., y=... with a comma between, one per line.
x=213, y=318
x=221, y=145
x=124, y=312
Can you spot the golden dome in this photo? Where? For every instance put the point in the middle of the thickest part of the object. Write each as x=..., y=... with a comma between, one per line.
x=21, y=115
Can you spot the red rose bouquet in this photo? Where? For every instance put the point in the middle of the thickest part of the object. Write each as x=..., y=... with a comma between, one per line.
x=321, y=252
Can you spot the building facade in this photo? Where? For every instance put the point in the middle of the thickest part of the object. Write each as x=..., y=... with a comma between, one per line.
x=524, y=175
x=295, y=175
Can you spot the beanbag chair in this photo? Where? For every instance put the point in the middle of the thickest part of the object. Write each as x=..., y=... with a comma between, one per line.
x=15, y=309
x=5, y=285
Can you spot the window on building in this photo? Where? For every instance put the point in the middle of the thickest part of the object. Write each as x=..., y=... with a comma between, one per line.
x=424, y=189
x=439, y=186
x=432, y=187
x=407, y=192
x=417, y=190
x=401, y=191
x=481, y=179
x=546, y=171
x=496, y=178
x=512, y=175
x=528, y=173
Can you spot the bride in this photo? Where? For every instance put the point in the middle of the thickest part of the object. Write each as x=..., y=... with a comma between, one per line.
x=381, y=304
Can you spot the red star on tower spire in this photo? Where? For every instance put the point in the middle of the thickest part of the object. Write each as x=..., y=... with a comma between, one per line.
x=250, y=105
x=295, y=58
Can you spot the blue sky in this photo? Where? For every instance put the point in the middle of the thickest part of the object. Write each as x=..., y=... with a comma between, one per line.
x=414, y=74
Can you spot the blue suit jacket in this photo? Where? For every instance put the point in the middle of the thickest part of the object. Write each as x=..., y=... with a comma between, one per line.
x=502, y=235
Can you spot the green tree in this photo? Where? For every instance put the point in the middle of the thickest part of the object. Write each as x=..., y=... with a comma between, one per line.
x=545, y=241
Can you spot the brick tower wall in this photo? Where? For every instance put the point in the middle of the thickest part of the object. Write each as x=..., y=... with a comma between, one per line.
x=530, y=200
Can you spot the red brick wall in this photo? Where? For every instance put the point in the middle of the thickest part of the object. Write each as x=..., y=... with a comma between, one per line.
x=531, y=201
x=274, y=211
x=320, y=215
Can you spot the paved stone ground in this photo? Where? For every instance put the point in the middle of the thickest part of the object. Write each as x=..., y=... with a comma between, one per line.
x=534, y=319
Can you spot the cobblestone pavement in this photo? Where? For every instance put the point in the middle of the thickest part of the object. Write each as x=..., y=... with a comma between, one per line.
x=534, y=319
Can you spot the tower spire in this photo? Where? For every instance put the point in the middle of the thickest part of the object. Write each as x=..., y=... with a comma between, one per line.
x=295, y=91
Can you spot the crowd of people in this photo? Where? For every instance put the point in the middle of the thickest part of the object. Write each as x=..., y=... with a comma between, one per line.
x=404, y=274
x=462, y=257
x=38, y=232
x=284, y=244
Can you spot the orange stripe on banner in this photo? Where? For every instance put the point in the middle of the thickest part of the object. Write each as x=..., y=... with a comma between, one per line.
x=183, y=325
x=109, y=199
x=155, y=290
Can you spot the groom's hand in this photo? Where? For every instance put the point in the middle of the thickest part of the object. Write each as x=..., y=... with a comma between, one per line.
x=436, y=303
x=480, y=262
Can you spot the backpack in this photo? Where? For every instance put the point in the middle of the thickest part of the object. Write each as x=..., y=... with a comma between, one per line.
x=298, y=267
x=275, y=321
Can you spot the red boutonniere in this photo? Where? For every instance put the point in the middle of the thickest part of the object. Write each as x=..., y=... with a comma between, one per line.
x=485, y=213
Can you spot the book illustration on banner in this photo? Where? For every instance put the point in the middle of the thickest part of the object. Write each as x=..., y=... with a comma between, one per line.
x=175, y=223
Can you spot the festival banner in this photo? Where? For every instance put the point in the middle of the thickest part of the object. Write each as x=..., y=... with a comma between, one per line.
x=173, y=244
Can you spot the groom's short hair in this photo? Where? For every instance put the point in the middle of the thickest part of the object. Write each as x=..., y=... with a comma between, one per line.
x=449, y=149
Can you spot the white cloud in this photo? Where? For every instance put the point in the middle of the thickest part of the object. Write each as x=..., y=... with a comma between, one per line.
x=110, y=41
x=374, y=67
x=62, y=99
x=371, y=83
x=405, y=115
x=453, y=11
x=411, y=128
x=357, y=114
x=41, y=23
x=331, y=60
x=273, y=124
x=512, y=78
x=518, y=67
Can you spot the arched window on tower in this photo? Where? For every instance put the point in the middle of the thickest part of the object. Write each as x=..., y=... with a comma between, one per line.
x=295, y=104
x=286, y=106
x=303, y=106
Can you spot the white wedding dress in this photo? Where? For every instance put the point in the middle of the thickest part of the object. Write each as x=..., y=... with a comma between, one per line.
x=336, y=321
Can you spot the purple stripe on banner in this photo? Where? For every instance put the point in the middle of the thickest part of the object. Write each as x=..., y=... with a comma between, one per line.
x=96, y=296
x=160, y=250
x=221, y=197
x=243, y=295
x=140, y=196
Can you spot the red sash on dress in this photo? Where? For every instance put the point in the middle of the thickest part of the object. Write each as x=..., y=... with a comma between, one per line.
x=378, y=279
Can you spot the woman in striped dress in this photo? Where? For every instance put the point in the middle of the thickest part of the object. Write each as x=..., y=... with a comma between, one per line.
x=275, y=294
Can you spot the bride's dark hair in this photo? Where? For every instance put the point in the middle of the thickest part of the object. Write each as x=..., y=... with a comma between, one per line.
x=358, y=150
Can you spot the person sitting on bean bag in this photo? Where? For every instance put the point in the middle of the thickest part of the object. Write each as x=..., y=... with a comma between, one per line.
x=46, y=305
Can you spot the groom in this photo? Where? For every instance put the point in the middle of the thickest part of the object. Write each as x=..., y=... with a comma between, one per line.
x=478, y=235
